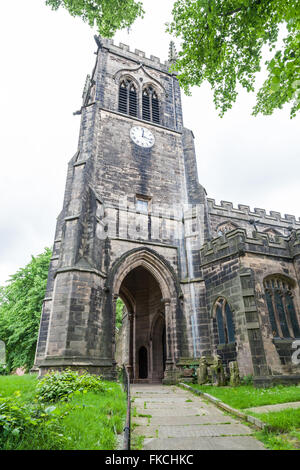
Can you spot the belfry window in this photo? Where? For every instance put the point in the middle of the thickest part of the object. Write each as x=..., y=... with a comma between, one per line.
x=127, y=98
x=281, y=307
x=224, y=321
x=150, y=105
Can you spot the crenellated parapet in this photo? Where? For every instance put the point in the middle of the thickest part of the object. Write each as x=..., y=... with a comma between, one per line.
x=238, y=243
x=244, y=212
x=136, y=55
x=295, y=243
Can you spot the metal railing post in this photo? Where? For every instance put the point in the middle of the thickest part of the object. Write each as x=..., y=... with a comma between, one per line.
x=126, y=384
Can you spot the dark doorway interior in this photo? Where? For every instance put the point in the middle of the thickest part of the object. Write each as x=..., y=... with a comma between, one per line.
x=143, y=363
x=147, y=332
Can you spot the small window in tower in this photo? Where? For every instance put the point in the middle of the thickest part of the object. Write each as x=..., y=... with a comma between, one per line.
x=142, y=206
x=142, y=203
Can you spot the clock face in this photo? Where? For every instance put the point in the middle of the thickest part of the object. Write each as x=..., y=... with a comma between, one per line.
x=142, y=136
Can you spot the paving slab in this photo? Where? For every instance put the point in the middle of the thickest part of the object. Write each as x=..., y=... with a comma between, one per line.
x=192, y=430
x=205, y=443
x=185, y=420
x=172, y=418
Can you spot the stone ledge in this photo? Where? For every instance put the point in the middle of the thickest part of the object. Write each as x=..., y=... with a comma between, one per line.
x=251, y=419
x=80, y=269
x=126, y=117
x=271, y=380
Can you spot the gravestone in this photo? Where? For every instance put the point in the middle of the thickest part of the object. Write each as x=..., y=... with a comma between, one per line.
x=234, y=374
x=217, y=372
x=202, y=375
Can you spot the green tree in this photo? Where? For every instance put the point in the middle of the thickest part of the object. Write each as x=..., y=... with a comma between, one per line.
x=119, y=313
x=108, y=15
x=20, y=310
x=223, y=41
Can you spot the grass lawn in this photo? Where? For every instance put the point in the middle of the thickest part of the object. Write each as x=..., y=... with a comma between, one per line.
x=26, y=384
x=283, y=431
x=97, y=421
x=246, y=396
x=93, y=420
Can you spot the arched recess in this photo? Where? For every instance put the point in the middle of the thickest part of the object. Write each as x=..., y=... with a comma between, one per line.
x=158, y=345
x=144, y=260
x=223, y=329
x=128, y=101
x=151, y=105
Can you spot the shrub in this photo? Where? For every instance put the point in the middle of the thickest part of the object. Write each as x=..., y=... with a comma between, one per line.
x=3, y=370
x=61, y=385
x=247, y=380
x=24, y=426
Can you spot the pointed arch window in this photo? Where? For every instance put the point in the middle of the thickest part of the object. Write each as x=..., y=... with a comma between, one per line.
x=150, y=105
x=224, y=321
x=281, y=307
x=128, y=98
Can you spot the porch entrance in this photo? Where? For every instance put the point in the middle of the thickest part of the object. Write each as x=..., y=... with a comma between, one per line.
x=144, y=321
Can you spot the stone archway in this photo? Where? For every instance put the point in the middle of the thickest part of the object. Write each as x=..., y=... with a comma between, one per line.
x=147, y=287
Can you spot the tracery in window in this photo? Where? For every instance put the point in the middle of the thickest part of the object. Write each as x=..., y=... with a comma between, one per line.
x=150, y=105
x=128, y=98
x=281, y=307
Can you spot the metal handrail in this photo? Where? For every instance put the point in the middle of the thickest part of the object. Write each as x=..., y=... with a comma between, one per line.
x=126, y=385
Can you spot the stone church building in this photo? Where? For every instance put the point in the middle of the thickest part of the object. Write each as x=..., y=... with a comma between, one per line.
x=196, y=278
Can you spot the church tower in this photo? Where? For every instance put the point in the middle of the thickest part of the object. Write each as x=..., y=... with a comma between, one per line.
x=133, y=220
x=196, y=279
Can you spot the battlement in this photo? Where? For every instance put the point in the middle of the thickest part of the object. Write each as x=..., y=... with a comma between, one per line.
x=237, y=242
x=138, y=55
x=227, y=209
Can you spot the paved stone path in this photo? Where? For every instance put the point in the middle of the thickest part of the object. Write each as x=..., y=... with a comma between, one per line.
x=171, y=418
x=278, y=407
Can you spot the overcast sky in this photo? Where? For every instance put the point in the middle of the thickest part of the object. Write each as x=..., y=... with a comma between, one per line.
x=45, y=57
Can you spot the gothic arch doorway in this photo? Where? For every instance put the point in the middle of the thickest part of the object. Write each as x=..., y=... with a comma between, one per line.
x=145, y=286
x=146, y=339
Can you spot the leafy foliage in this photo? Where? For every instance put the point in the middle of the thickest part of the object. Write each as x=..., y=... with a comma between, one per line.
x=61, y=385
x=107, y=15
x=119, y=313
x=20, y=310
x=247, y=380
x=3, y=370
x=223, y=41
x=24, y=426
